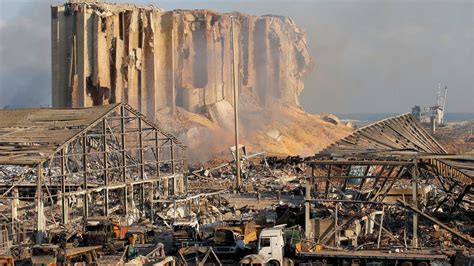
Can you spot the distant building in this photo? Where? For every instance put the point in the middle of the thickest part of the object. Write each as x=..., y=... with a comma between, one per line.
x=430, y=114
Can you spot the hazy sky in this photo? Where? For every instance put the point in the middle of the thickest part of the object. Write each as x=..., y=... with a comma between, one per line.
x=371, y=56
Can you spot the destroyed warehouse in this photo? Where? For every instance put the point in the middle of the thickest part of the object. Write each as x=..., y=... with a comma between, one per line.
x=387, y=192
x=117, y=171
x=65, y=165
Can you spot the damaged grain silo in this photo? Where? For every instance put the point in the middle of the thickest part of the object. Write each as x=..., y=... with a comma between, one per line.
x=155, y=59
x=176, y=68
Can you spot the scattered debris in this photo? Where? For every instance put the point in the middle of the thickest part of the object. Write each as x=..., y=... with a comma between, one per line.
x=105, y=185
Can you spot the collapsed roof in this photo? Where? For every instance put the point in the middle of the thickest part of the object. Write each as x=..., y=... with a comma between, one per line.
x=401, y=138
x=402, y=134
x=31, y=136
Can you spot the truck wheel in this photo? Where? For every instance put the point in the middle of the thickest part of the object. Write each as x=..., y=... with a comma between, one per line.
x=273, y=263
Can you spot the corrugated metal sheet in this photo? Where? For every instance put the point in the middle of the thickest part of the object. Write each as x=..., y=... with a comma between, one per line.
x=402, y=134
x=29, y=136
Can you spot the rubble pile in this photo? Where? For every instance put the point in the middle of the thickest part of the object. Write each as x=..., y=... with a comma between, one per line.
x=16, y=173
x=105, y=185
x=356, y=206
x=359, y=228
x=269, y=174
x=205, y=211
x=273, y=194
x=457, y=137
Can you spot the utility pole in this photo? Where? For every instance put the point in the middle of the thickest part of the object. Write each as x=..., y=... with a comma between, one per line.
x=307, y=211
x=235, y=80
x=414, y=176
x=173, y=65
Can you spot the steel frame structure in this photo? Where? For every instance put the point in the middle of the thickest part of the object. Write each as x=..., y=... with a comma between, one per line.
x=361, y=169
x=118, y=158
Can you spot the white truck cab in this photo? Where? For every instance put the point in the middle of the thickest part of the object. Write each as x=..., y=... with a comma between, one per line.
x=271, y=249
x=271, y=245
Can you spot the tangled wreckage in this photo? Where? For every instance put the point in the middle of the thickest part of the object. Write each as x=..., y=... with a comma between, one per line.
x=369, y=187
x=60, y=166
x=94, y=181
x=105, y=185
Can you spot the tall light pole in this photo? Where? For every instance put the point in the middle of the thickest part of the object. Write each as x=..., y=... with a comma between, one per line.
x=235, y=77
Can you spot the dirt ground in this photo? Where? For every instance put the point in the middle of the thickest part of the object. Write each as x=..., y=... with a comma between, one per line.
x=457, y=138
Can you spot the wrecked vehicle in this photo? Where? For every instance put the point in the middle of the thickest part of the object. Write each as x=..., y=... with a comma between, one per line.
x=185, y=233
x=227, y=242
x=106, y=232
x=44, y=254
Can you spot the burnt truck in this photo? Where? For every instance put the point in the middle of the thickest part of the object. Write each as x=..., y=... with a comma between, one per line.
x=105, y=231
x=233, y=238
x=185, y=233
x=227, y=243
x=45, y=254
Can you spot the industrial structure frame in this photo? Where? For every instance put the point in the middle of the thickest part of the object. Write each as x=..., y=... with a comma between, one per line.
x=71, y=155
x=361, y=169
